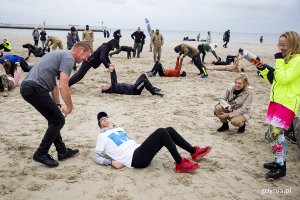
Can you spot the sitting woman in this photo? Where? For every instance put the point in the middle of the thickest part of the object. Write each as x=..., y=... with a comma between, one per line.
x=226, y=65
x=167, y=72
x=234, y=105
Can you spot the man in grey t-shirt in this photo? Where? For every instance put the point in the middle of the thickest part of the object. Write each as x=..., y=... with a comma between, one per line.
x=35, y=89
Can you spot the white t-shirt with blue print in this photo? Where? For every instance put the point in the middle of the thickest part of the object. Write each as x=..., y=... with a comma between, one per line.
x=116, y=144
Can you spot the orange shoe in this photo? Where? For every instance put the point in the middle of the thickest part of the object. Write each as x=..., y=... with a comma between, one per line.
x=200, y=152
x=186, y=166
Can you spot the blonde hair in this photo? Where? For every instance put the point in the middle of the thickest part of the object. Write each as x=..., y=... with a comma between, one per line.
x=293, y=40
x=86, y=47
x=244, y=78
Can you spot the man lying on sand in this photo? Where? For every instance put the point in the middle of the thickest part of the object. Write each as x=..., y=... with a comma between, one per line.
x=129, y=89
x=115, y=148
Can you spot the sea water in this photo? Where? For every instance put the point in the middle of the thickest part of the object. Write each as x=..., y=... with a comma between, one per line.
x=217, y=37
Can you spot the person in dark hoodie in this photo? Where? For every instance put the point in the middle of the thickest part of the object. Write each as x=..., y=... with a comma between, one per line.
x=98, y=57
x=129, y=89
x=117, y=35
x=72, y=37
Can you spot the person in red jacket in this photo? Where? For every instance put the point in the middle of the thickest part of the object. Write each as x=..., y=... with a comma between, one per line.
x=168, y=72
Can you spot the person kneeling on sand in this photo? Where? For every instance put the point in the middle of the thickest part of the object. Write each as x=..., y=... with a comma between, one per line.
x=167, y=72
x=115, y=148
x=129, y=89
x=234, y=105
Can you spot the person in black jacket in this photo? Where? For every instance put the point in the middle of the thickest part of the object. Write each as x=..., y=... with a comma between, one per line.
x=129, y=89
x=138, y=36
x=123, y=48
x=95, y=60
x=36, y=51
x=72, y=38
x=226, y=37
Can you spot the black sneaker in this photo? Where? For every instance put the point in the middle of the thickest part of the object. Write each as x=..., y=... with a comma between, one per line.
x=204, y=75
x=45, y=159
x=156, y=89
x=159, y=94
x=69, y=153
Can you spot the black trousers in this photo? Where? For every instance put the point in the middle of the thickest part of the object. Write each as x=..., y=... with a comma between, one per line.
x=41, y=100
x=158, y=68
x=197, y=62
x=167, y=137
x=141, y=83
x=36, y=42
x=85, y=66
x=202, y=51
x=24, y=65
x=230, y=59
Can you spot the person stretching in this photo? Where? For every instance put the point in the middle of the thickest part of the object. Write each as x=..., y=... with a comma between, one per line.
x=128, y=89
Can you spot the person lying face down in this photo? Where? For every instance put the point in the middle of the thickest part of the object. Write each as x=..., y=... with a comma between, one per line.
x=177, y=72
x=129, y=89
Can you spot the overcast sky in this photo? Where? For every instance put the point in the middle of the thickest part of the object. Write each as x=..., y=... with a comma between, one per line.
x=252, y=16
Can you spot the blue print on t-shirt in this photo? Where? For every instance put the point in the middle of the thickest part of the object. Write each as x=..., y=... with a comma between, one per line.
x=118, y=137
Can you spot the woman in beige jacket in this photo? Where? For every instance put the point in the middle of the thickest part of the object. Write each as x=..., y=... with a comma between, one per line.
x=234, y=105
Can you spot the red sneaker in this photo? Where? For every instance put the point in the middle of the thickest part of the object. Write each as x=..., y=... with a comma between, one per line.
x=200, y=152
x=186, y=166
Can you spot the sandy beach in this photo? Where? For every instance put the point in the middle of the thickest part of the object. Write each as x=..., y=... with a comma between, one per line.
x=232, y=170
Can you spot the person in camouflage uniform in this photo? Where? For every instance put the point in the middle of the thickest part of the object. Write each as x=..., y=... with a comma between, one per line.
x=157, y=41
x=55, y=42
x=193, y=53
x=88, y=36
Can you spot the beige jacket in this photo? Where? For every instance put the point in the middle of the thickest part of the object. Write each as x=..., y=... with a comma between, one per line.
x=157, y=40
x=240, y=104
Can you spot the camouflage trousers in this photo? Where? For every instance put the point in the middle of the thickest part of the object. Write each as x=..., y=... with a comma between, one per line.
x=156, y=52
x=90, y=42
x=57, y=44
x=5, y=83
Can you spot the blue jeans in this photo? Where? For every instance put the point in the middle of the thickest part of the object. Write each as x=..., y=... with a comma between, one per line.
x=41, y=100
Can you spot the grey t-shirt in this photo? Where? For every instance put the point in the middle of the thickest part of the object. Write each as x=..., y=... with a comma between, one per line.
x=45, y=71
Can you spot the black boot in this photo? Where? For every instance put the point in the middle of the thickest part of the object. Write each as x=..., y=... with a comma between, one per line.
x=224, y=127
x=271, y=166
x=242, y=129
x=275, y=174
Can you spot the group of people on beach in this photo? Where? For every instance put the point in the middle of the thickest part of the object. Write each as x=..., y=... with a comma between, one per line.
x=114, y=147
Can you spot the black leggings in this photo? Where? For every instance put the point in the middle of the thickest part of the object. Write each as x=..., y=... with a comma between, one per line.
x=167, y=137
x=141, y=83
x=158, y=68
x=85, y=66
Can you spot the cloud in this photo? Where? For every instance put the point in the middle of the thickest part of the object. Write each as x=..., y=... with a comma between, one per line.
x=217, y=15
